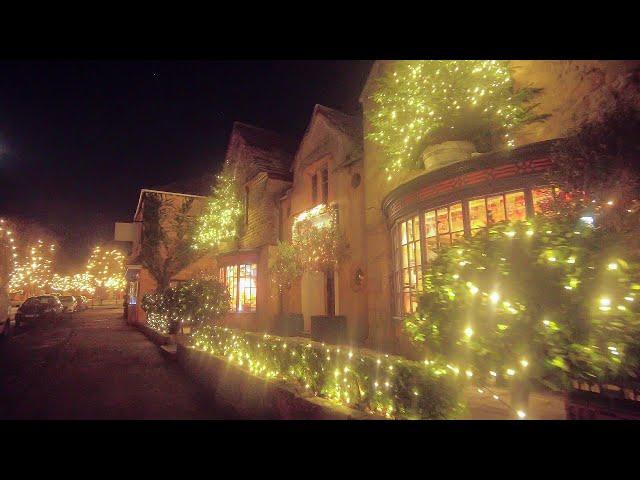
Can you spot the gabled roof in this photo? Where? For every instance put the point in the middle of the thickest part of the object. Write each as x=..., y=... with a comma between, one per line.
x=350, y=125
x=200, y=185
x=265, y=151
x=193, y=187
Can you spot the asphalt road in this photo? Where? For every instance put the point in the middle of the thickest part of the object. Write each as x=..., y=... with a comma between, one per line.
x=91, y=365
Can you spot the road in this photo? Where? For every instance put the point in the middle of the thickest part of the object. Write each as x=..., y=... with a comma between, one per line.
x=91, y=365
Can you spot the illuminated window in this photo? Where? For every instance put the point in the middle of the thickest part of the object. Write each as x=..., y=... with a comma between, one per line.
x=240, y=280
x=486, y=211
x=324, y=177
x=516, y=208
x=477, y=214
x=409, y=268
x=542, y=198
x=442, y=227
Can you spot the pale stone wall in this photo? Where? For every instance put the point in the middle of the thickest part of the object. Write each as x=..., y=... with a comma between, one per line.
x=573, y=91
x=325, y=145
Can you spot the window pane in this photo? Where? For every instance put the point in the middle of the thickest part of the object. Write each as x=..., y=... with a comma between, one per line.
x=314, y=188
x=430, y=224
x=455, y=212
x=418, y=254
x=403, y=230
x=405, y=256
x=495, y=209
x=416, y=228
x=325, y=185
x=516, y=209
x=432, y=246
x=410, y=230
x=542, y=198
x=477, y=213
x=443, y=220
x=247, y=288
x=456, y=235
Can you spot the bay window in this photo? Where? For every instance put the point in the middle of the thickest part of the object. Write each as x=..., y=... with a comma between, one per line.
x=416, y=239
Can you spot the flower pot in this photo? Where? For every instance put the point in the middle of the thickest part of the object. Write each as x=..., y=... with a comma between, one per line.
x=329, y=329
x=447, y=153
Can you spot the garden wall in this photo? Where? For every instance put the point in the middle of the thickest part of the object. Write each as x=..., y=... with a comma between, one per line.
x=256, y=397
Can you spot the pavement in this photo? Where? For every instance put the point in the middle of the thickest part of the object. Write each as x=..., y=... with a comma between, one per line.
x=91, y=365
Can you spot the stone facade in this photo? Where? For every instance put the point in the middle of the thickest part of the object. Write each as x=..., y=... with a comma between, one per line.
x=573, y=91
x=332, y=142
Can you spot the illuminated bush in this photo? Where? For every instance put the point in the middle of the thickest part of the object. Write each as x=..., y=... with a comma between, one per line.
x=550, y=299
x=193, y=303
x=369, y=381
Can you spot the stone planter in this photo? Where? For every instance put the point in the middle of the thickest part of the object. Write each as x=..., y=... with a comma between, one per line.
x=290, y=325
x=329, y=329
x=446, y=153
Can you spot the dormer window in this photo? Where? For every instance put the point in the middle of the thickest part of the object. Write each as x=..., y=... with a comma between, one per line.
x=324, y=179
x=320, y=186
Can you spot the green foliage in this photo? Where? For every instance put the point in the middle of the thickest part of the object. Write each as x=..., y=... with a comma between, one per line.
x=192, y=303
x=219, y=222
x=167, y=230
x=598, y=168
x=550, y=299
x=366, y=380
x=286, y=265
x=421, y=102
x=314, y=248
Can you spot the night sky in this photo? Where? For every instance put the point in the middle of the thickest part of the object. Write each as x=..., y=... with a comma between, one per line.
x=78, y=140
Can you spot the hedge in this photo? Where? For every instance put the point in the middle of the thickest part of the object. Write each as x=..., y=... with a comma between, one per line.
x=369, y=381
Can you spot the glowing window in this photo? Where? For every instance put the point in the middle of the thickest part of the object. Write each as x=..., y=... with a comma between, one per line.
x=542, y=198
x=241, y=280
x=516, y=209
x=409, y=268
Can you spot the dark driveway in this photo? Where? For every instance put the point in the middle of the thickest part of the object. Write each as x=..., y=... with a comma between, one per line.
x=93, y=366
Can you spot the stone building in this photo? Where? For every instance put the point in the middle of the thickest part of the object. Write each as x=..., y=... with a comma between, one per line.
x=409, y=216
x=261, y=162
x=139, y=279
x=327, y=180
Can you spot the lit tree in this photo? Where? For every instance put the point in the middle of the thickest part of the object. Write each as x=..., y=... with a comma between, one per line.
x=219, y=221
x=8, y=255
x=167, y=237
x=423, y=102
x=33, y=271
x=105, y=268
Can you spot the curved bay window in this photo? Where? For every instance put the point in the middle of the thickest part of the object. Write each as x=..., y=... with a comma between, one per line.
x=416, y=239
x=241, y=280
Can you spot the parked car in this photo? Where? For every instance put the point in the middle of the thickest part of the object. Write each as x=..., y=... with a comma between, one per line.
x=83, y=303
x=69, y=303
x=5, y=315
x=41, y=307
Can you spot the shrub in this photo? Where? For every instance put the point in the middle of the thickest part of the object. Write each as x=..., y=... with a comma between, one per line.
x=551, y=298
x=193, y=303
x=369, y=381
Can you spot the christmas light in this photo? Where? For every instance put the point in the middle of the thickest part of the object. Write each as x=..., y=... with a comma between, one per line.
x=426, y=101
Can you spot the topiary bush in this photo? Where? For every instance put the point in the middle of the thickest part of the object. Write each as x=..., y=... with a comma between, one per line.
x=192, y=303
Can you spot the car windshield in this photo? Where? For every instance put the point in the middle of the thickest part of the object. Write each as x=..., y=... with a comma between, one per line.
x=29, y=302
x=67, y=299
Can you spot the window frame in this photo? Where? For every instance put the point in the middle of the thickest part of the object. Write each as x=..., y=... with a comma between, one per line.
x=233, y=271
x=421, y=212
